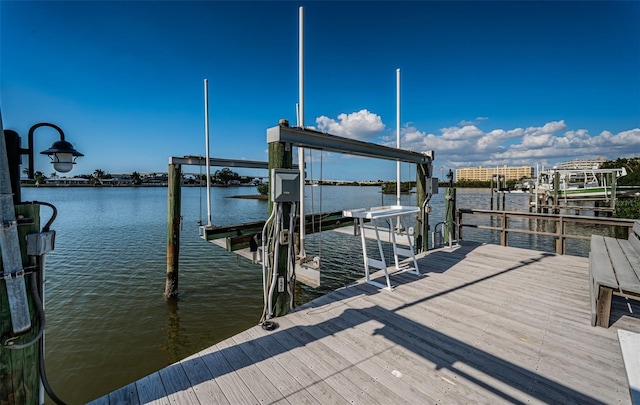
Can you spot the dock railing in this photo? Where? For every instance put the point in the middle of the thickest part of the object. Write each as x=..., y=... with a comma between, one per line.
x=501, y=222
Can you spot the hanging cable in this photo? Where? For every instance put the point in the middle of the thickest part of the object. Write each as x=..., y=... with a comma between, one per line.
x=291, y=258
x=9, y=343
x=313, y=211
x=274, y=278
x=266, y=258
x=320, y=224
x=200, y=195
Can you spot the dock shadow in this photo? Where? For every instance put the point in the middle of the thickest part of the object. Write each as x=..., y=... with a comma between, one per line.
x=622, y=309
x=439, y=349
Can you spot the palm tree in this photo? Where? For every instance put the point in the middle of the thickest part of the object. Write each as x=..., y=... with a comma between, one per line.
x=97, y=177
x=136, y=178
x=39, y=177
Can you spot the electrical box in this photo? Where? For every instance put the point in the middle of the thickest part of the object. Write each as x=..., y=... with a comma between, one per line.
x=284, y=237
x=286, y=185
x=41, y=243
x=432, y=185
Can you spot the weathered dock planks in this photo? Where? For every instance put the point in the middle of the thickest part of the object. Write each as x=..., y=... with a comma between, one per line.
x=484, y=324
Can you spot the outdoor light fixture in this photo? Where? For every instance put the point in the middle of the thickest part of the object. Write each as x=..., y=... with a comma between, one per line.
x=63, y=155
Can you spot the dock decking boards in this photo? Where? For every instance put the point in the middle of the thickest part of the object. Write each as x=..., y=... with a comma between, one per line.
x=483, y=324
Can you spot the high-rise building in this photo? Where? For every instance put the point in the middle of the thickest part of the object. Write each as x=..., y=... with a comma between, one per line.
x=583, y=164
x=486, y=173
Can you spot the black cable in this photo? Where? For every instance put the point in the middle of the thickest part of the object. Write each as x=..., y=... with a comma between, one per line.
x=35, y=294
x=37, y=298
x=37, y=285
x=43, y=376
x=8, y=344
x=269, y=325
x=53, y=216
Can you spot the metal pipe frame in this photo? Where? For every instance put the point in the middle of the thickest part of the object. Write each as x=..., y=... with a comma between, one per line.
x=307, y=138
x=217, y=162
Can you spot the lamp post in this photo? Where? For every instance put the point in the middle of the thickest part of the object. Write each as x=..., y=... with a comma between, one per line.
x=21, y=233
x=61, y=152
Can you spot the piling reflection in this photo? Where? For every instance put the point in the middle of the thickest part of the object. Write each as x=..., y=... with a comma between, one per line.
x=177, y=337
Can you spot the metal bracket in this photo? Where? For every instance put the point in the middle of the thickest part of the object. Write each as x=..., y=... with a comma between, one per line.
x=12, y=276
x=8, y=225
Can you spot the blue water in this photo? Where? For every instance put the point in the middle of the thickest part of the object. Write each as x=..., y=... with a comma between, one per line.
x=107, y=322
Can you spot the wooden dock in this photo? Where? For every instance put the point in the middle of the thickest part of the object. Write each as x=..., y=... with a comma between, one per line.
x=484, y=324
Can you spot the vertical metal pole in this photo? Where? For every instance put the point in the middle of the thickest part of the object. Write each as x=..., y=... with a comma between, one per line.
x=301, y=222
x=398, y=140
x=206, y=136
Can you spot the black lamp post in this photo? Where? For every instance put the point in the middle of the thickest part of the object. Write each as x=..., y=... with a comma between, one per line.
x=62, y=155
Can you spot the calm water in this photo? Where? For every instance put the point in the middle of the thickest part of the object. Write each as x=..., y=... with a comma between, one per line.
x=107, y=323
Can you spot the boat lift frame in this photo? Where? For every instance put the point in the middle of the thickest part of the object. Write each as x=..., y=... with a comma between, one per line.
x=312, y=139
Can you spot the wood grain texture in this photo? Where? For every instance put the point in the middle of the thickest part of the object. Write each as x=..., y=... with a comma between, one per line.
x=483, y=324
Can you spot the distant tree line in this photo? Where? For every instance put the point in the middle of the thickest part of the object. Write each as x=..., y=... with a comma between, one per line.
x=223, y=176
x=632, y=166
x=480, y=184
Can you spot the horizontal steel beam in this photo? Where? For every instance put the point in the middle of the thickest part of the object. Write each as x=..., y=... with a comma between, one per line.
x=307, y=138
x=217, y=162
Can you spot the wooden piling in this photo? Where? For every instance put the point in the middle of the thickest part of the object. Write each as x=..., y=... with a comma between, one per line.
x=450, y=212
x=19, y=379
x=556, y=192
x=614, y=186
x=173, y=230
x=281, y=157
x=422, y=231
x=492, y=190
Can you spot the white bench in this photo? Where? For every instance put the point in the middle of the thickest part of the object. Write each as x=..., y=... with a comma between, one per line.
x=614, y=268
x=630, y=347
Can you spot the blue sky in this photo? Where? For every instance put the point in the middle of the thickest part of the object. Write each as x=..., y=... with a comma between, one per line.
x=483, y=83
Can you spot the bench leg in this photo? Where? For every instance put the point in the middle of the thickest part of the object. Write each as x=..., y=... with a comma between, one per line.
x=603, y=306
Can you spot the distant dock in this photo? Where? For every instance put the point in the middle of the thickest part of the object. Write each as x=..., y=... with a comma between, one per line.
x=483, y=324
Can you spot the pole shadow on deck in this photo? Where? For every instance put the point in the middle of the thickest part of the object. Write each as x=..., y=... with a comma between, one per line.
x=439, y=349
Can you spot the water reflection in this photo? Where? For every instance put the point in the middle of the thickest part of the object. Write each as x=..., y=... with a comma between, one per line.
x=104, y=332
x=177, y=336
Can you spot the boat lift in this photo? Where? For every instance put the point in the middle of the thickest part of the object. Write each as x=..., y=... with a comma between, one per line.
x=288, y=137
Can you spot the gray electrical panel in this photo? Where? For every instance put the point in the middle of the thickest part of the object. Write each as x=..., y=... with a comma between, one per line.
x=432, y=185
x=286, y=185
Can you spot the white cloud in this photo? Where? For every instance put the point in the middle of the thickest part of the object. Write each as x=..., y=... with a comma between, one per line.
x=363, y=125
x=549, y=143
x=472, y=122
x=467, y=145
x=466, y=132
